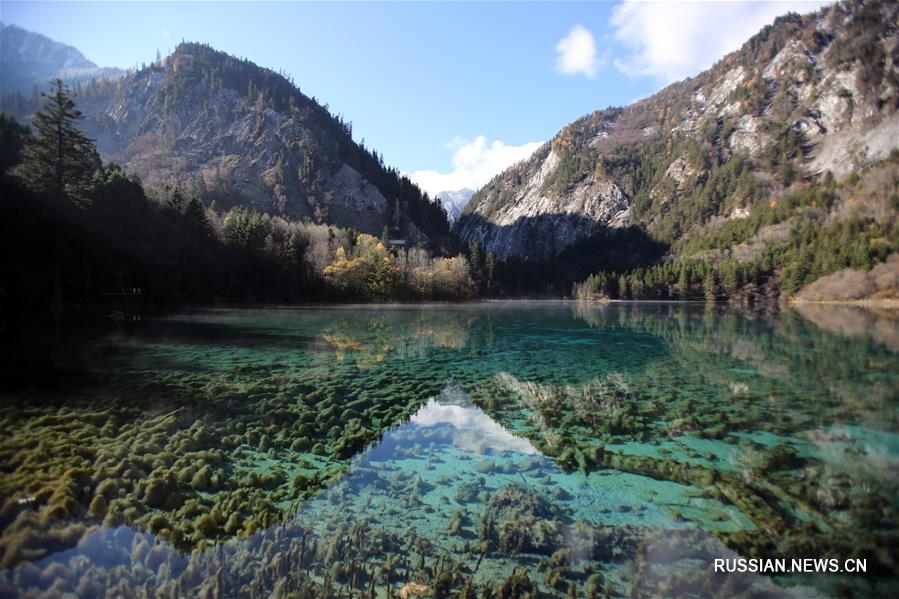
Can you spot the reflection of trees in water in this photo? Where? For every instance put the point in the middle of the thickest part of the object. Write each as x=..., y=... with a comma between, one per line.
x=553, y=410
x=879, y=325
x=786, y=359
x=370, y=340
x=800, y=379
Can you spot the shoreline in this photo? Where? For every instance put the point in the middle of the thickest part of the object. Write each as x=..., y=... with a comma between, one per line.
x=889, y=304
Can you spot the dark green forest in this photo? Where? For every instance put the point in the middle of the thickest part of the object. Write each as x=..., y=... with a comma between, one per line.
x=75, y=230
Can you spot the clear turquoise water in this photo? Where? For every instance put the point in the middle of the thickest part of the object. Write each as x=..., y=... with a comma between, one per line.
x=548, y=448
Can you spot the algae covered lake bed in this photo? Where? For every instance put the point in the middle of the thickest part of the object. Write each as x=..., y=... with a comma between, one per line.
x=504, y=449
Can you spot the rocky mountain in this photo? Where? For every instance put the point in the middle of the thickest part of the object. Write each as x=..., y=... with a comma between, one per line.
x=29, y=60
x=229, y=131
x=454, y=202
x=806, y=95
x=238, y=134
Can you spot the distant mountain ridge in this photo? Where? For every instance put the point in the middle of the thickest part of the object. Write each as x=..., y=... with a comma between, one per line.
x=29, y=60
x=454, y=201
x=806, y=95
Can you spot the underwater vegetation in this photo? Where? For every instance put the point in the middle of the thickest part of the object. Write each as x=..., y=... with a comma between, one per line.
x=806, y=490
x=575, y=452
x=397, y=525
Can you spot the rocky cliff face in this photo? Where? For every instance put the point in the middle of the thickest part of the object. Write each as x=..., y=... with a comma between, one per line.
x=29, y=59
x=230, y=131
x=806, y=95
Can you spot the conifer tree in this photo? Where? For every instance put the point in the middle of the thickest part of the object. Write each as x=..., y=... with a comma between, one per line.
x=60, y=159
x=709, y=285
x=490, y=268
x=13, y=139
x=474, y=254
x=397, y=217
x=196, y=214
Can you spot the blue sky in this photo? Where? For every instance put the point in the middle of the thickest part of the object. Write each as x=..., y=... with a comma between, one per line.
x=449, y=92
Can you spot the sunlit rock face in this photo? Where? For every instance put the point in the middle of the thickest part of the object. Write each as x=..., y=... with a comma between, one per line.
x=803, y=79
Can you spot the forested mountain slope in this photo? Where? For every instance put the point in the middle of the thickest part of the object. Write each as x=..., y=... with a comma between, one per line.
x=806, y=95
x=229, y=131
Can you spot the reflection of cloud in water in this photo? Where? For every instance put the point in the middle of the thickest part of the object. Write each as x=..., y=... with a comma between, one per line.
x=475, y=431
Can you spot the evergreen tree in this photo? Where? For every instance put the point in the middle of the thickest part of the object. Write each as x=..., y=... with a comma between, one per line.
x=490, y=268
x=196, y=215
x=474, y=254
x=176, y=200
x=709, y=285
x=683, y=283
x=61, y=159
x=13, y=139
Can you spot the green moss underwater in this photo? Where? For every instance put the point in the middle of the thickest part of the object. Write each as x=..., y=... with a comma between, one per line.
x=488, y=450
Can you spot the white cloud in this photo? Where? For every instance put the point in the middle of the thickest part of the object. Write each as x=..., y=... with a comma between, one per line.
x=673, y=40
x=577, y=53
x=475, y=162
x=165, y=34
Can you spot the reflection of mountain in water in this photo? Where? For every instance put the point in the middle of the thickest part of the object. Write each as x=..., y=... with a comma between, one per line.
x=449, y=501
x=667, y=418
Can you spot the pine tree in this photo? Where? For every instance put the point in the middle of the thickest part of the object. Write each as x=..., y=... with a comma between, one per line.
x=176, y=200
x=709, y=286
x=13, y=139
x=196, y=214
x=61, y=159
x=490, y=267
x=474, y=254
x=683, y=283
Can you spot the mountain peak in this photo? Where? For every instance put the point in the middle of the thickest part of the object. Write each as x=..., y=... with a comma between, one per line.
x=228, y=130
x=807, y=94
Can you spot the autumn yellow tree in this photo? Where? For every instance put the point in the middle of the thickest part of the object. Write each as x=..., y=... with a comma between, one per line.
x=368, y=271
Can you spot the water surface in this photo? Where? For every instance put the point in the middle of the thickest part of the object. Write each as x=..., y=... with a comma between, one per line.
x=555, y=449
